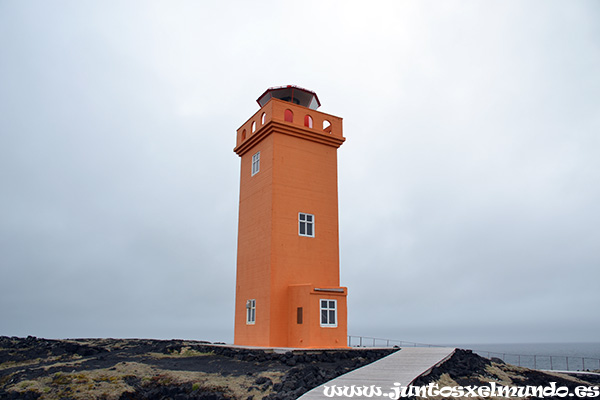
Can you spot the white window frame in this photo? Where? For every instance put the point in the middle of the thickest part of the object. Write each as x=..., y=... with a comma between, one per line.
x=327, y=307
x=251, y=312
x=305, y=220
x=256, y=163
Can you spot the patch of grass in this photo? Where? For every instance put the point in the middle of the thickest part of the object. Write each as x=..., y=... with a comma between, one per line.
x=28, y=386
x=61, y=379
x=185, y=351
x=501, y=376
x=80, y=378
x=109, y=379
x=85, y=385
x=25, y=384
x=13, y=364
x=162, y=379
x=181, y=354
x=237, y=387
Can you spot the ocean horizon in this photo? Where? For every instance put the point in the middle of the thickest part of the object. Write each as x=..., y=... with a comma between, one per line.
x=556, y=356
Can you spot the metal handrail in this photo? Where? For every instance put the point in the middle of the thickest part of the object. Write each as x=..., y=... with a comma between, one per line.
x=534, y=361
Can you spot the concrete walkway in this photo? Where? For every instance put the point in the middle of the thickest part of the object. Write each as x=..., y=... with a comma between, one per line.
x=402, y=367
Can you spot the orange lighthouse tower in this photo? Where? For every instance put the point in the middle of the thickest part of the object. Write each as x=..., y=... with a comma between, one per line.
x=288, y=291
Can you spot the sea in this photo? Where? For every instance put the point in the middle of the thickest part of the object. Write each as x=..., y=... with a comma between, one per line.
x=545, y=356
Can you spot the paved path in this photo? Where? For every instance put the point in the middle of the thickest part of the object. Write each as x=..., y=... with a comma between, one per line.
x=402, y=367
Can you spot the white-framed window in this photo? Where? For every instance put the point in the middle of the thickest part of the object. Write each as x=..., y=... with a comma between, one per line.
x=255, y=163
x=250, y=312
x=306, y=224
x=328, y=313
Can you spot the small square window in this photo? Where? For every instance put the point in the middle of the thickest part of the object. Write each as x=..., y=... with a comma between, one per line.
x=251, y=312
x=255, y=163
x=329, y=313
x=306, y=225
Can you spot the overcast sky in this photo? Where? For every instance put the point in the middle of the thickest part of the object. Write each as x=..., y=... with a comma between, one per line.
x=469, y=181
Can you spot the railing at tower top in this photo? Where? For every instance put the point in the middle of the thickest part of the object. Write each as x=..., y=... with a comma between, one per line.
x=289, y=113
x=534, y=361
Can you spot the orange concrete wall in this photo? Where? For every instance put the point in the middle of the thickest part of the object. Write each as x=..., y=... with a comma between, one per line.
x=331, y=337
x=299, y=334
x=304, y=180
x=310, y=334
x=254, y=245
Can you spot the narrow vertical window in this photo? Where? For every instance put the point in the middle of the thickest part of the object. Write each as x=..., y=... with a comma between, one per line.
x=288, y=116
x=299, y=315
x=306, y=224
x=263, y=117
x=328, y=313
x=251, y=312
x=308, y=121
x=255, y=163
